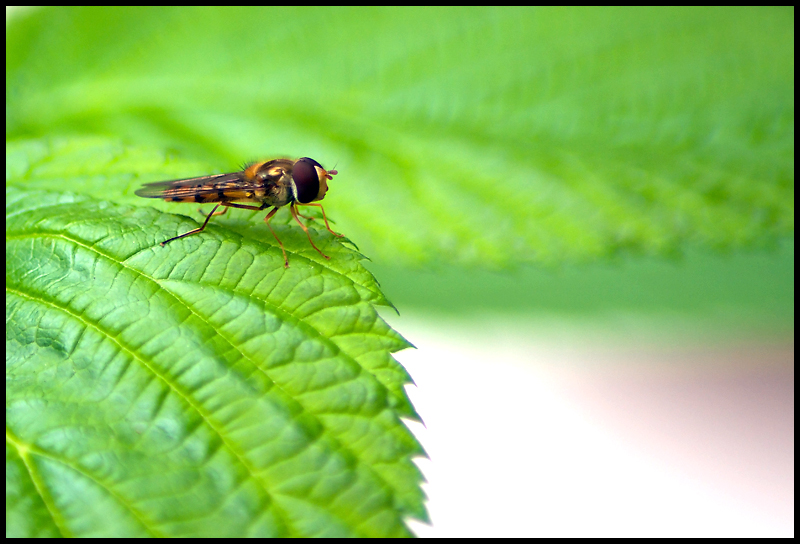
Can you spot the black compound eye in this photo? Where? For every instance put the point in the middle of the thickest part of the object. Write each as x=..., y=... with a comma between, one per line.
x=306, y=179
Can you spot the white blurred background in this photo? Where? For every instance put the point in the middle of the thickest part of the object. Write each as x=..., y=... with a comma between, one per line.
x=546, y=429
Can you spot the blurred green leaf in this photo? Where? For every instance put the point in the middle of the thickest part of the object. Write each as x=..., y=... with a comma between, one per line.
x=197, y=389
x=472, y=135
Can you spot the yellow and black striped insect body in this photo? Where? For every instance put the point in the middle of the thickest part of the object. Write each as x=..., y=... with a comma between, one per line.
x=276, y=183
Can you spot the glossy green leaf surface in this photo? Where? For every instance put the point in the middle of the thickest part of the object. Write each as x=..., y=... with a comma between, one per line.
x=197, y=389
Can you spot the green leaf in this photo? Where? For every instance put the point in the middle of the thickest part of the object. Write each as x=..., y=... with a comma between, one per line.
x=197, y=389
x=469, y=135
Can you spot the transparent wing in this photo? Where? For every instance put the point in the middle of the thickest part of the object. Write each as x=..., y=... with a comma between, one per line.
x=214, y=188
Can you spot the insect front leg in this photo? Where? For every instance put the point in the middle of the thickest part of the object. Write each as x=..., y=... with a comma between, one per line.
x=305, y=216
x=293, y=209
x=323, y=217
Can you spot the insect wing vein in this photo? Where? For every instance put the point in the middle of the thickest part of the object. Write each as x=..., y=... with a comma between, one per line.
x=215, y=188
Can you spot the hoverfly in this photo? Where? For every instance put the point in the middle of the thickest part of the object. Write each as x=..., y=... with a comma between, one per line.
x=276, y=182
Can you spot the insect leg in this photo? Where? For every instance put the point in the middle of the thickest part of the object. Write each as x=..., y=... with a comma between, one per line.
x=266, y=220
x=245, y=206
x=227, y=205
x=195, y=231
x=305, y=216
x=213, y=213
x=294, y=214
x=323, y=217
